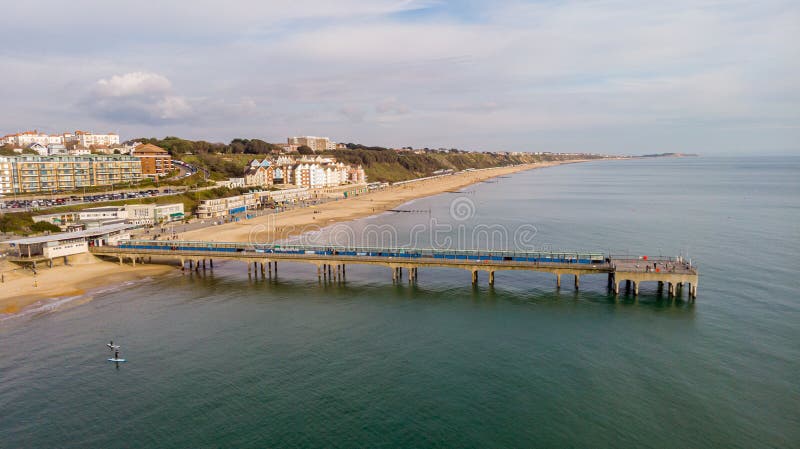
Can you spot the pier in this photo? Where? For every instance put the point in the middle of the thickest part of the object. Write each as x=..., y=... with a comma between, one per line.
x=671, y=273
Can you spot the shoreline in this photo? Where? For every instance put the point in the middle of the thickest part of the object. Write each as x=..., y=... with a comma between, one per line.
x=21, y=291
x=279, y=226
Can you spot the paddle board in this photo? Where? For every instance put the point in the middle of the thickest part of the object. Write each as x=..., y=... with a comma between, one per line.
x=116, y=360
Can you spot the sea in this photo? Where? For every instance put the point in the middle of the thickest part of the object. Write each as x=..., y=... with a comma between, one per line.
x=220, y=358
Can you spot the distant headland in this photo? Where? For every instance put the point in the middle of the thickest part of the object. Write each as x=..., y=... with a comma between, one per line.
x=670, y=155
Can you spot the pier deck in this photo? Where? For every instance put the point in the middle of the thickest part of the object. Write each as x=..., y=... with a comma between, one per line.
x=331, y=261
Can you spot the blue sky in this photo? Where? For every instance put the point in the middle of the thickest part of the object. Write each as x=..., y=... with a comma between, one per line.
x=714, y=77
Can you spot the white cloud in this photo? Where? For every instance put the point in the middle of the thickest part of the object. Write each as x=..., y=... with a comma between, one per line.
x=140, y=97
x=172, y=107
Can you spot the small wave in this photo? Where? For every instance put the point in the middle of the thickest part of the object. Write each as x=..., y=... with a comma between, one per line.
x=43, y=306
x=54, y=304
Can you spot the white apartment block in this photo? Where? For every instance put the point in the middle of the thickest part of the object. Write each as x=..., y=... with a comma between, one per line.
x=82, y=138
x=27, y=138
x=87, y=139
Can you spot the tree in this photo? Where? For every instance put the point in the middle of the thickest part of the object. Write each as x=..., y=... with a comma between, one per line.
x=42, y=226
x=305, y=149
x=7, y=150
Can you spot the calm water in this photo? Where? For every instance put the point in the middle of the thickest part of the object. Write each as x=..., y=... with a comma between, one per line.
x=223, y=360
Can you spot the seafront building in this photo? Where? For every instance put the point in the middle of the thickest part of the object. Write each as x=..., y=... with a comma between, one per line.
x=234, y=205
x=33, y=174
x=133, y=214
x=231, y=205
x=309, y=172
x=49, y=247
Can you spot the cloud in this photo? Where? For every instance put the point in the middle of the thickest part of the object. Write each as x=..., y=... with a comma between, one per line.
x=568, y=74
x=391, y=106
x=138, y=97
x=353, y=113
x=131, y=84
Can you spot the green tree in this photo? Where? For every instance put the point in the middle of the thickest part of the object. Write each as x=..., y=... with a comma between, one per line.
x=305, y=149
x=43, y=226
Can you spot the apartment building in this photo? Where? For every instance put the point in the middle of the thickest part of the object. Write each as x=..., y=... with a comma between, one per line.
x=156, y=161
x=259, y=173
x=30, y=174
x=317, y=144
x=87, y=139
x=27, y=138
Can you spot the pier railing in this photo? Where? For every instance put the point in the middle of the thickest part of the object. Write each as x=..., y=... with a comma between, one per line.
x=368, y=251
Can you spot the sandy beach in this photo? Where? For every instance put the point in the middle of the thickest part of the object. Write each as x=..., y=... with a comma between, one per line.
x=278, y=226
x=21, y=289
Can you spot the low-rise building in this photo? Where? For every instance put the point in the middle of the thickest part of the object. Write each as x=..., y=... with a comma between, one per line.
x=67, y=243
x=232, y=205
x=151, y=214
x=103, y=213
x=232, y=183
x=286, y=195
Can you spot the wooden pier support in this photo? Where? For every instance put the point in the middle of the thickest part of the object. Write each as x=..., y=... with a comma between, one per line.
x=577, y=281
x=491, y=277
x=558, y=280
x=474, y=277
x=636, y=289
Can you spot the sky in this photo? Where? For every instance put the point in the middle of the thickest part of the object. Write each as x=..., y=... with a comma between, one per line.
x=620, y=77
